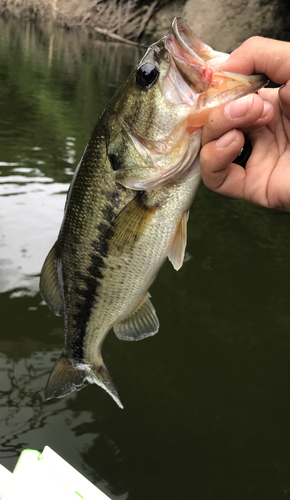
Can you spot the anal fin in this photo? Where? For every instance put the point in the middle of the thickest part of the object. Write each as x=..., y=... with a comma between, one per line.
x=141, y=323
x=176, y=255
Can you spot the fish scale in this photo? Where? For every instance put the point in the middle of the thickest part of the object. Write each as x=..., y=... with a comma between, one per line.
x=128, y=204
x=127, y=284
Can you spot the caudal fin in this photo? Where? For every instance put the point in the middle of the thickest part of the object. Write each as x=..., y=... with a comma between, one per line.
x=67, y=377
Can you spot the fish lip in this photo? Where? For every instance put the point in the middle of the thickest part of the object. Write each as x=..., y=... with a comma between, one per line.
x=177, y=28
x=192, y=43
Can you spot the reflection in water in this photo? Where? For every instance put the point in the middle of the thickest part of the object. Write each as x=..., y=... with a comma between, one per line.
x=207, y=399
x=27, y=232
x=47, y=107
x=21, y=400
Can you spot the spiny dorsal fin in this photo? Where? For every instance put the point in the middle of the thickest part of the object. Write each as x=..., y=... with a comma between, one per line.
x=141, y=323
x=176, y=255
x=49, y=285
x=67, y=376
x=130, y=224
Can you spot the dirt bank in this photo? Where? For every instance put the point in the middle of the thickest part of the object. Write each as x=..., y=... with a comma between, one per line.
x=222, y=23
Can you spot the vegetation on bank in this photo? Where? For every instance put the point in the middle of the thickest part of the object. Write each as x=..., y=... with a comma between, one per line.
x=119, y=19
x=123, y=19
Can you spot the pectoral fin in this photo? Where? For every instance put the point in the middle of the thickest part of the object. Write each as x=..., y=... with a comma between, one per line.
x=49, y=283
x=176, y=255
x=141, y=323
x=131, y=223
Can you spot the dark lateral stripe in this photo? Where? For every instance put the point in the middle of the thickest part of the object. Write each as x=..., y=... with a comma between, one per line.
x=87, y=295
x=89, y=283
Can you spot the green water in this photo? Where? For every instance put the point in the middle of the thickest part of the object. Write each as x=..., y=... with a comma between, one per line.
x=207, y=405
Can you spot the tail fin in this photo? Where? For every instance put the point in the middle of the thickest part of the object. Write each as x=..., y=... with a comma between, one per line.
x=67, y=377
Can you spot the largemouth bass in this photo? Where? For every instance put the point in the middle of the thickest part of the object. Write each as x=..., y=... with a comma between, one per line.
x=128, y=203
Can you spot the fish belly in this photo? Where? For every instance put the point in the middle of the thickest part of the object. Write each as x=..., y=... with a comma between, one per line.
x=131, y=267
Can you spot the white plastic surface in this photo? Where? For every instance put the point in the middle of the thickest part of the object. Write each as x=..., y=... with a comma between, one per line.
x=5, y=480
x=46, y=476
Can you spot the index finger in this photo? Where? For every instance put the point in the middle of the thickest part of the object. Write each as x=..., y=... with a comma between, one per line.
x=261, y=55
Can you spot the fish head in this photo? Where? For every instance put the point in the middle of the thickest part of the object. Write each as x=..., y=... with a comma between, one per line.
x=156, y=117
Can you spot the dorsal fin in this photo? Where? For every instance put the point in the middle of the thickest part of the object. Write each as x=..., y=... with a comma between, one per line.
x=49, y=283
x=176, y=255
x=141, y=323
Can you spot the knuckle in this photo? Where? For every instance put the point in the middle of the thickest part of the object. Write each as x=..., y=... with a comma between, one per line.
x=254, y=41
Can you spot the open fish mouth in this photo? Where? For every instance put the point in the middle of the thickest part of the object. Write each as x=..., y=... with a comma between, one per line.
x=197, y=83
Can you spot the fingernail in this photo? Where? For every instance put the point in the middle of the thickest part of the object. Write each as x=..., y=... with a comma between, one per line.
x=225, y=140
x=266, y=110
x=239, y=108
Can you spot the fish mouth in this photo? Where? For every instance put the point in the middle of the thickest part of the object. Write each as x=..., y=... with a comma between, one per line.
x=196, y=82
x=189, y=81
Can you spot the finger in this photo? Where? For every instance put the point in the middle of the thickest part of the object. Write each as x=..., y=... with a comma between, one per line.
x=266, y=117
x=284, y=94
x=216, y=159
x=242, y=113
x=261, y=55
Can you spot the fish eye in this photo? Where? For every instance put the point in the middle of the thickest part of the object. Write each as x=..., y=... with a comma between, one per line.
x=146, y=76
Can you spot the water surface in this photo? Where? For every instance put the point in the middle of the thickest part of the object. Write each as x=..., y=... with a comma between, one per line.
x=206, y=400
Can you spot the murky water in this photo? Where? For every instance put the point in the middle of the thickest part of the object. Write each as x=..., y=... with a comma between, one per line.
x=207, y=403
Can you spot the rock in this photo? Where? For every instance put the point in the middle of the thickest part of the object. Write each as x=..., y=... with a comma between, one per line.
x=225, y=24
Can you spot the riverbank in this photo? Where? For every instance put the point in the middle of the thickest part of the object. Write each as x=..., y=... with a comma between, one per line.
x=224, y=24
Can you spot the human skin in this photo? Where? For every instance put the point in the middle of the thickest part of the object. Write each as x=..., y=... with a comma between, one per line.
x=263, y=118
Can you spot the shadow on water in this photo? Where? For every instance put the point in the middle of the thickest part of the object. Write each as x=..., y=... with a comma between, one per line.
x=207, y=399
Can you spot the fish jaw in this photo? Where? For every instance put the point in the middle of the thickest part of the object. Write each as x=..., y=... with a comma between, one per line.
x=192, y=80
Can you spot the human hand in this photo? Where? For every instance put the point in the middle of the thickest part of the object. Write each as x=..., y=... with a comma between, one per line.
x=264, y=119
